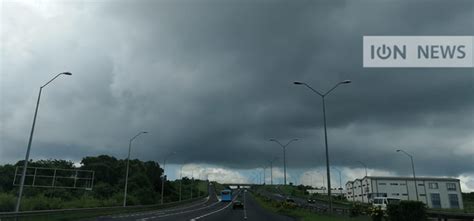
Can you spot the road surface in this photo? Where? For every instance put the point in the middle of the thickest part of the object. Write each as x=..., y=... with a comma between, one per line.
x=210, y=209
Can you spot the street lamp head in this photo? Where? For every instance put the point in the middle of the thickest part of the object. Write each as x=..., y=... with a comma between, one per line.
x=298, y=83
x=399, y=150
x=144, y=132
x=66, y=73
x=272, y=139
x=346, y=82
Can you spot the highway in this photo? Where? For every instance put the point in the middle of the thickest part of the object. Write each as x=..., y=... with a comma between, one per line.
x=210, y=209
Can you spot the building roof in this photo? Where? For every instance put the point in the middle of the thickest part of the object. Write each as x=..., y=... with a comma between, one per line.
x=406, y=178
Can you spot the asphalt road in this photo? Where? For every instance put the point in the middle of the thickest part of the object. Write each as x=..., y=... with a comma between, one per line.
x=210, y=209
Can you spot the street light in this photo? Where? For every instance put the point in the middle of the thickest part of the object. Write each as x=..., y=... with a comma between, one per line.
x=362, y=189
x=271, y=169
x=180, y=181
x=128, y=165
x=340, y=179
x=413, y=168
x=163, y=179
x=27, y=157
x=264, y=178
x=284, y=155
x=365, y=166
x=325, y=131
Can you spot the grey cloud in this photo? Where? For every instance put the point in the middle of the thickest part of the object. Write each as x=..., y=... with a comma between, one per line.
x=213, y=81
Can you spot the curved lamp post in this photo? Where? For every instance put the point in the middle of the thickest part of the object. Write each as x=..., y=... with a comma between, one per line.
x=128, y=165
x=323, y=95
x=284, y=155
x=340, y=180
x=413, y=168
x=163, y=179
x=361, y=188
x=271, y=169
x=27, y=157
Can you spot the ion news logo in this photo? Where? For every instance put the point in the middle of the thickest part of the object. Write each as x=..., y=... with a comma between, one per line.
x=419, y=51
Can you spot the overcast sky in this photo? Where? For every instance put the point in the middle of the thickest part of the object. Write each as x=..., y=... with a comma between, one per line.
x=212, y=80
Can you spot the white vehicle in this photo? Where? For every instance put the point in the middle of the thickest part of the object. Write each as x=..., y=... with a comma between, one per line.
x=382, y=202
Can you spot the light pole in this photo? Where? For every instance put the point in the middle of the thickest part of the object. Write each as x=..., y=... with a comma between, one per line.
x=340, y=179
x=192, y=182
x=361, y=188
x=27, y=157
x=128, y=165
x=365, y=166
x=284, y=155
x=271, y=170
x=180, y=181
x=163, y=177
x=325, y=131
x=322, y=175
x=413, y=168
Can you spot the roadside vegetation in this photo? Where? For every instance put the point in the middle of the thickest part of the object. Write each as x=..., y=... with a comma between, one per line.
x=144, y=186
x=301, y=192
x=302, y=214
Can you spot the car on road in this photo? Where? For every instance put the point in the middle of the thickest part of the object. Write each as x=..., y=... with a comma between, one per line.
x=237, y=205
x=311, y=201
x=382, y=202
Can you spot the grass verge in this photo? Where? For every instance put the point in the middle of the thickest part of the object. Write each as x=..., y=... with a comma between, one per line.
x=89, y=215
x=306, y=215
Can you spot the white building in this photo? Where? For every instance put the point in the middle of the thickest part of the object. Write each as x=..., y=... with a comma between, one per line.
x=434, y=192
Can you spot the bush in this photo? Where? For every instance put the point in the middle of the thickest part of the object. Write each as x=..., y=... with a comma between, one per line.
x=40, y=202
x=356, y=210
x=83, y=202
x=376, y=213
x=407, y=211
x=7, y=202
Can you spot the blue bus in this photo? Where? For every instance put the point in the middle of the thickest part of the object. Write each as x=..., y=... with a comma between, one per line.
x=226, y=195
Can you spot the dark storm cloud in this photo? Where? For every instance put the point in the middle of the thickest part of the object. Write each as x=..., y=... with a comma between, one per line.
x=212, y=80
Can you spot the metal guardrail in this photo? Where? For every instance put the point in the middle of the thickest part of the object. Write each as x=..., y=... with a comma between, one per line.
x=444, y=216
x=440, y=215
x=95, y=209
x=312, y=207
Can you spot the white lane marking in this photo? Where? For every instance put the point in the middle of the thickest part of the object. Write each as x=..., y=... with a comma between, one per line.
x=159, y=212
x=216, y=211
x=245, y=206
x=182, y=212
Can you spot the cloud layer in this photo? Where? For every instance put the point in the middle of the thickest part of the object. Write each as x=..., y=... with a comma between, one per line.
x=212, y=80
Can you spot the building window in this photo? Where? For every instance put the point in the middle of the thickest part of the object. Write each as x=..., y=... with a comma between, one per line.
x=433, y=185
x=422, y=194
x=453, y=201
x=395, y=194
x=421, y=184
x=394, y=184
x=405, y=194
x=403, y=184
x=451, y=186
x=381, y=184
x=435, y=200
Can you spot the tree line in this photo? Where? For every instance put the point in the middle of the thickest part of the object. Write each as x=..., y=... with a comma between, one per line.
x=144, y=185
